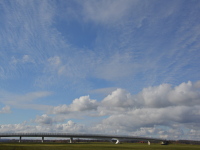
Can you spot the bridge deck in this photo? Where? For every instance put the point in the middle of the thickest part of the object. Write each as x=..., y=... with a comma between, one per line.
x=74, y=135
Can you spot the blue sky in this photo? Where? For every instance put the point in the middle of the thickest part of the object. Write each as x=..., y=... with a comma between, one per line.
x=83, y=66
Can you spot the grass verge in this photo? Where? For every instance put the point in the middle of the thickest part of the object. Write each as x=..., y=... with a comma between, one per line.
x=95, y=146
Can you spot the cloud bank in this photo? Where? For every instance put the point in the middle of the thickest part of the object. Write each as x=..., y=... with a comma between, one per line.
x=161, y=111
x=163, y=105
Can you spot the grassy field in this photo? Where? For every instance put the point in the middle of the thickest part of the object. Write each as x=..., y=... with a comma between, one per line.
x=95, y=146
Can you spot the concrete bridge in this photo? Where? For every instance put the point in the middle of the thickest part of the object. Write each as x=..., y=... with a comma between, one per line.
x=76, y=135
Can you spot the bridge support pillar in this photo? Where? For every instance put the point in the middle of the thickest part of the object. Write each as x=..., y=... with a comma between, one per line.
x=20, y=139
x=42, y=139
x=71, y=140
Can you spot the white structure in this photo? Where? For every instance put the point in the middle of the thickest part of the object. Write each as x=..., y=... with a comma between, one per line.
x=71, y=140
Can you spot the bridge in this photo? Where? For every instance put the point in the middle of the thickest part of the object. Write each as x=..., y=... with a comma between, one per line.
x=76, y=135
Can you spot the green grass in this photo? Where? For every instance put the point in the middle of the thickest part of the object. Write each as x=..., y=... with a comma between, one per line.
x=95, y=146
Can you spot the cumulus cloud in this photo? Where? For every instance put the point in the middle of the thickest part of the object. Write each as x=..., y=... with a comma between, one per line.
x=148, y=117
x=118, y=98
x=69, y=126
x=7, y=128
x=44, y=119
x=84, y=103
x=164, y=95
x=161, y=111
x=5, y=110
x=160, y=99
x=155, y=96
x=162, y=105
x=72, y=127
x=185, y=94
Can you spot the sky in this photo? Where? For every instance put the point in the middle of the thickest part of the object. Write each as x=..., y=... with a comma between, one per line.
x=125, y=67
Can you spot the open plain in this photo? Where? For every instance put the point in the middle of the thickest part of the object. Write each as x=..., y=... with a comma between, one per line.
x=96, y=146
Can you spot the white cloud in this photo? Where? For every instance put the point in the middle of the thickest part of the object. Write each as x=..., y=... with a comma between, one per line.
x=13, y=128
x=84, y=103
x=24, y=127
x=119, y=98
x=161, y=105
x=44, y=119
x=155, y=96
x=5, y=110
x=185, y=94
x=154, y=105
x=163, y=97
x=72, y=127
x=51, y=119
x=148, y=117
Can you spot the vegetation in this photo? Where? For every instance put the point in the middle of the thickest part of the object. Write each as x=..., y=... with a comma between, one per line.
x=96, y=146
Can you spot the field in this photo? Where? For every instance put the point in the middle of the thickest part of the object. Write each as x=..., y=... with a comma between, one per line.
x=95, y=146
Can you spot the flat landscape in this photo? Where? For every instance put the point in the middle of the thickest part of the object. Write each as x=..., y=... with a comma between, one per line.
x=95, y=146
